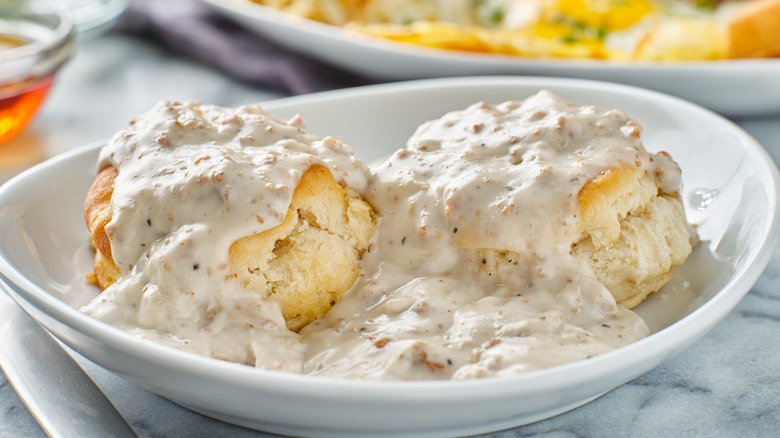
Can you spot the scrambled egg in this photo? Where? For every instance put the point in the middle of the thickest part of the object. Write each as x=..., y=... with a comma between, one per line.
x=602, y=29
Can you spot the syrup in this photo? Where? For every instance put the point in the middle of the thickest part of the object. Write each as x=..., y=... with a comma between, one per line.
x=19, y=100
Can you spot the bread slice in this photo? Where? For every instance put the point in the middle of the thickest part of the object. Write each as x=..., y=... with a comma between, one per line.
x=754, y=30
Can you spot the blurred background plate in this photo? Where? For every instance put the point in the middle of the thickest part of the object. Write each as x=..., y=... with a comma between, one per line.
x=731, y=87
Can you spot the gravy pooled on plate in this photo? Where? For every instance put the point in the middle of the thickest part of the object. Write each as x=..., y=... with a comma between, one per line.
x=498, y=233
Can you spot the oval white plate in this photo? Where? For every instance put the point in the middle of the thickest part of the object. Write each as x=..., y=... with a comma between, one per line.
x=730, y=190
x=732, y=87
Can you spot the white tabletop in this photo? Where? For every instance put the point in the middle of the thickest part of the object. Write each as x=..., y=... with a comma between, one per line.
x=727, y=384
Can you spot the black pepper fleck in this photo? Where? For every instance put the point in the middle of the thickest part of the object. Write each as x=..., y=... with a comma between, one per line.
x=196, y=266
x=149, y=222
x=403, y=240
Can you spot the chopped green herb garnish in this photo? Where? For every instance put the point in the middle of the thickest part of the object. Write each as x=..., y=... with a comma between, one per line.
x=497, y=15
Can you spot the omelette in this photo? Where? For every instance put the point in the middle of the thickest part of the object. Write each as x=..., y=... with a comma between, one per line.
x=652, y=30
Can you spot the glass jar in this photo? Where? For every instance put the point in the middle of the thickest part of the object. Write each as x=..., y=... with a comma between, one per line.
x=36, y=39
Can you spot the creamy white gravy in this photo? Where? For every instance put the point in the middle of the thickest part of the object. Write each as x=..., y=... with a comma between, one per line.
x=192, y=180
x=470, y=276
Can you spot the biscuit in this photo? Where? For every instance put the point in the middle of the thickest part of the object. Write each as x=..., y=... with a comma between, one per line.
x=304, y=264
x=97, y=214
x=633, y=234
x=312, y=257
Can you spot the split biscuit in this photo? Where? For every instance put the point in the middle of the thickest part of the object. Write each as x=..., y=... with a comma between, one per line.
x=633, y=234
x=313, y=256
x=304, y=264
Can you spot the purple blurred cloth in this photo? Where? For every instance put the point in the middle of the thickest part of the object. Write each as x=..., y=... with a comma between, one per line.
x=195, y=30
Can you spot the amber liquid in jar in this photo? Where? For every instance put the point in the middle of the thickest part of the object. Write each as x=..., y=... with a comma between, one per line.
x=19, y=100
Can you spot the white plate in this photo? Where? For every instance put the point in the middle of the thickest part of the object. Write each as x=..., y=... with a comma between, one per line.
x=44, y=254
x=732, y=87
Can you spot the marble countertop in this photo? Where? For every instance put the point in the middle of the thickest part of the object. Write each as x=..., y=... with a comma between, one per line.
x=726, y=384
